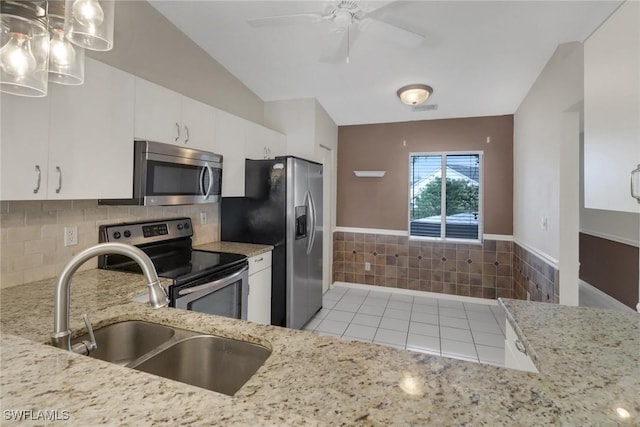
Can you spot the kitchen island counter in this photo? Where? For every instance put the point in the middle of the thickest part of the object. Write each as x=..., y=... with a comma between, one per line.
x=587, y=373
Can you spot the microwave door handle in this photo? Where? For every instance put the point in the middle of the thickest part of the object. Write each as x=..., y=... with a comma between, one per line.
x=202, y=181
x=210, y=172
x=217, y=284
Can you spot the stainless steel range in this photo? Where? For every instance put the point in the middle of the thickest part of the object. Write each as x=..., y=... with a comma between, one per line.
x=207, y=282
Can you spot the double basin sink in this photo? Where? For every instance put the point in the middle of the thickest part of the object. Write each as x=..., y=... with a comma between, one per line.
x=215, y=363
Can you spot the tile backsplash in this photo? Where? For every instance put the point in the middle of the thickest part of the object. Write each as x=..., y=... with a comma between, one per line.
x=31, y=232
x=477, y=270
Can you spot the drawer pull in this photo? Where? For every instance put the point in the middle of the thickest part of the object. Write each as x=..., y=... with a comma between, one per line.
x=258, y=260
x=520, y=347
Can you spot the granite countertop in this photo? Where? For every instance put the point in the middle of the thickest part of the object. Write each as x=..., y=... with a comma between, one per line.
x=248, y=249
x=588, y=358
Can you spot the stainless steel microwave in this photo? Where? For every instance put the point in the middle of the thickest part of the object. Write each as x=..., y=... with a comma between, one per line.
x=165, y=174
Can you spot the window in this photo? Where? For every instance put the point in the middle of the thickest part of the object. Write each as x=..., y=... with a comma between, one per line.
x=449, y=183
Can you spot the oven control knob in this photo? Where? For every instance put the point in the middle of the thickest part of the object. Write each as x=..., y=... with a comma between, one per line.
x=127, y=233
x=186, y=226
x=179, y=226
x=116, y=235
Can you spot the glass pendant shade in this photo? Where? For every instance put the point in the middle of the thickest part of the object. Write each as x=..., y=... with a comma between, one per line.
x=66, y=61
x=89, y=23
x=24, y=49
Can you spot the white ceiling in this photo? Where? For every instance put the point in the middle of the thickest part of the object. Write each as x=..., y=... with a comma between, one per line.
x=481, y=57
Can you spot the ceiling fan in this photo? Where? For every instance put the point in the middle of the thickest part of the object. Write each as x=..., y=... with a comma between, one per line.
x=348, y=19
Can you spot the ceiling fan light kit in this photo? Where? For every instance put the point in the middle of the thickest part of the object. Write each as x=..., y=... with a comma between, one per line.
x=414, y=94
x=349, y=18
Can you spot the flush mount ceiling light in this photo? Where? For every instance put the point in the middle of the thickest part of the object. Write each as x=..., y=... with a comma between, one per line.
x=415, y=94
x=43, y=41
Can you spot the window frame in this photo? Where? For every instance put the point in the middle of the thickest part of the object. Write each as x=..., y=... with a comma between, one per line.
x=443, y=197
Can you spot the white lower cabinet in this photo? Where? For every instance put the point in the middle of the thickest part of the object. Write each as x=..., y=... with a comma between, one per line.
x=259, y=305
x=515, y=355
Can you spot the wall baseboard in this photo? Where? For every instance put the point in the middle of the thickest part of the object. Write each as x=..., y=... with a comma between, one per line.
x=611, y=237
x=405, y=233
x=372, y=231
x=546, y=258
x=500, y=237
x=417, y=293
x=590, y=296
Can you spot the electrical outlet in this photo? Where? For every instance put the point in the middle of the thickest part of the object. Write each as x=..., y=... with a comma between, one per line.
x=203, y=218
x=367, y=266
x=528, y=296
x=71, y=236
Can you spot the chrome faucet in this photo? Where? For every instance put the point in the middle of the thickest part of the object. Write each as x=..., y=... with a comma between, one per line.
x=61, y=336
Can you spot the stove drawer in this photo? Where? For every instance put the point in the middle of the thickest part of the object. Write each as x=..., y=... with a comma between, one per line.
x=259, y=262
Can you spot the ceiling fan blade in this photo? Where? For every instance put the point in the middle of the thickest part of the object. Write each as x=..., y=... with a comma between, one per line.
x=285, y=19
x=369, y=6
x=391, y=33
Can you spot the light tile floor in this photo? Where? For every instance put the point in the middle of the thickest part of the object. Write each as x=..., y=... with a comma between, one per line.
x=444, y=327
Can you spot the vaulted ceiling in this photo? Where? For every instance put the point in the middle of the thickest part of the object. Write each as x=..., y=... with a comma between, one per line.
x=481, y=57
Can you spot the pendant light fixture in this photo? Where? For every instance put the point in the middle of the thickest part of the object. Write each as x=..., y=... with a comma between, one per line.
x=414, y=94
x=43, y=41
x=66, y=61
x=89, y=23
x=24, y=51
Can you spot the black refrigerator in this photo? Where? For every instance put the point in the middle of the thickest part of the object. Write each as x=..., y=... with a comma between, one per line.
x=283, y=207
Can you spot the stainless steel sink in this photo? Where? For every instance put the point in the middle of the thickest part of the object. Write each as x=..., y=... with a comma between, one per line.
x=121, y=343
x=211, y=362
x=215, y=363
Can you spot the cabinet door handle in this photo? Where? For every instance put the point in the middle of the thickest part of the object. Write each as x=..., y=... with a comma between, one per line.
x=59, y=172
x=186, y=130
x=635, y=183
x=38, y=177
x=177, y=132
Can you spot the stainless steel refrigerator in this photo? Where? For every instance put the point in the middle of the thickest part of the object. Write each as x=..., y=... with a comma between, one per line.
x=283, y=207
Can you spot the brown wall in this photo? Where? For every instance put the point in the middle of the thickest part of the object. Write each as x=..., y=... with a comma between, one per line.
x=383, y=202
x=611, y=267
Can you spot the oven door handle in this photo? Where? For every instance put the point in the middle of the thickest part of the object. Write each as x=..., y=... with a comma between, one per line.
x=215, y=285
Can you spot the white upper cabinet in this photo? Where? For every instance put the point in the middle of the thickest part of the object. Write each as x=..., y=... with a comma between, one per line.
x=163, y=115
x=157, y=113
x=76, y=143
x=91, y=136
x=24, y=143
x=229, y=137
x=198, y=126
x=612, y=111
x=262, y=142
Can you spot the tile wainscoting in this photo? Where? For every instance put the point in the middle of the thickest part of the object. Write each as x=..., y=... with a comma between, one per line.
x=491, y=270
x=477, y=270
x=534, y=275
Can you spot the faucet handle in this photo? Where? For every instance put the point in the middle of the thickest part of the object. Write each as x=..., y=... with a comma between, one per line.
x=86, y=347
x=92, y=345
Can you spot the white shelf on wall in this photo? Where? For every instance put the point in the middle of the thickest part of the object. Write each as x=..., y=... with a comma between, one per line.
x=369, y=174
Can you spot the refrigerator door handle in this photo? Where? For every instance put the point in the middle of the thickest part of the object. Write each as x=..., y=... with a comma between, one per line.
x=635, y=183
x=312, y=214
